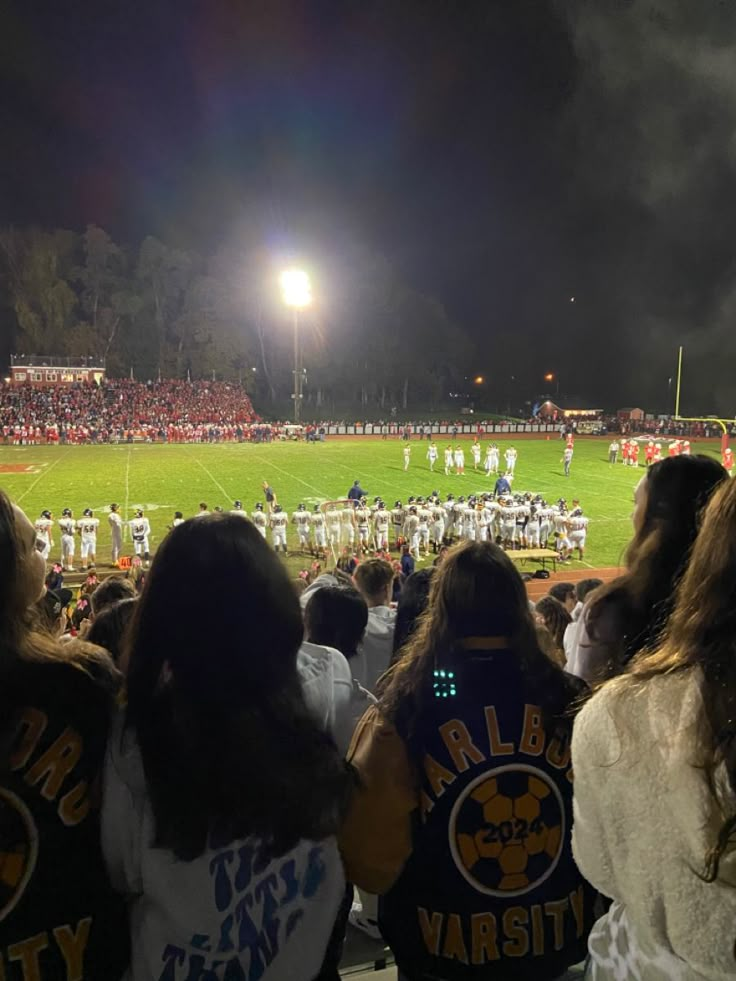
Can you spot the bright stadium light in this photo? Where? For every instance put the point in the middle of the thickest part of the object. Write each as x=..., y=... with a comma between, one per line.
x=296, y=291
x=479, y=379
x=549, y=377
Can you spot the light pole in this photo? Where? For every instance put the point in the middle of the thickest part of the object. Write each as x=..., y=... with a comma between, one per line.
x=296, y=291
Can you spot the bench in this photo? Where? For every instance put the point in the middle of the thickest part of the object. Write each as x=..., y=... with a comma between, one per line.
x=542, y=555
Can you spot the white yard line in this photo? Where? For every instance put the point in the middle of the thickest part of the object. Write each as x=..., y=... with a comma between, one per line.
x=212, y=477
x=44, y=473
x=292, y=476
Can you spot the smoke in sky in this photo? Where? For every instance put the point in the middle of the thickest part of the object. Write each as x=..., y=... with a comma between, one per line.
x=652, y=128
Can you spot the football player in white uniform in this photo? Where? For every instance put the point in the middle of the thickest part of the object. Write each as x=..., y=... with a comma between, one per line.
x=425, y=517
x=397, y=519
x=578, y=525
x=458, y=514
x=238, y=509
x=381, y=522
x=318, y=531
x=475, y=451
x=68, y=526
x=432, y=455
x=87, y=526
x=449, y=459
x=259, y=518
x=44, y=525
x=334, y=527
x=561, y=526
x=363, y=524
x=510, y=456
x=411, y=531
x=302, y=519
x=437, y=527
x=116, y=533
x=140, y=532
x=533, y=528
x=347, y=523
x=459, y=460
x=407, y=457
x=507, y=522
x=279, y=522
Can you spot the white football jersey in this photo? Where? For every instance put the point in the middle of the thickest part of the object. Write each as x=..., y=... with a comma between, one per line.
x=381, y=521
x=259, y=519
x=43, y=528
x=579, y=523
x=302, y=519
x=318, y=519
x=67, y=525
x=88, y=526
x=279, y=521
x=114, y=518
x=140, y=528
x=363, y=517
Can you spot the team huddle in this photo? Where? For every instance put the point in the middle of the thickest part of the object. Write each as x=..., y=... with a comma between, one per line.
x=424, y=525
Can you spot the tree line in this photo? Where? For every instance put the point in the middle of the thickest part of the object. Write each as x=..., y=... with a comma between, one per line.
x=158, y=311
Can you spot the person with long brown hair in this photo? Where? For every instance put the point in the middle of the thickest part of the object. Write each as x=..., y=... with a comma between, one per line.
x=59, y=917
x=628, y=614
x=654, y=754
x=223, y=794
x=461, y=818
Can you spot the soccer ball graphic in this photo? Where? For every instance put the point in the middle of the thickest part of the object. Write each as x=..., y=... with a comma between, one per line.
x=507, y=830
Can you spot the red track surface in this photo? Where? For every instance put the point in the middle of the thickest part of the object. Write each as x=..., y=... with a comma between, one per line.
x=537, y=588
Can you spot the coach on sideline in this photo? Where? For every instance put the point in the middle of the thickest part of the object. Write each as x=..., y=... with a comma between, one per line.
x=270, y=496
x=356, y=492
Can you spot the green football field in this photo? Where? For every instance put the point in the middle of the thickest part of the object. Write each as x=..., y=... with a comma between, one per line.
x=162, y=479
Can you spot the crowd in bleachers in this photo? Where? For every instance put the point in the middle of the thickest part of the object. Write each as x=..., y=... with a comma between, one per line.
x=123, y=410
x=274, y=764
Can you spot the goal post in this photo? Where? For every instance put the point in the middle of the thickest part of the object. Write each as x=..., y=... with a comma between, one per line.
x=712, y=420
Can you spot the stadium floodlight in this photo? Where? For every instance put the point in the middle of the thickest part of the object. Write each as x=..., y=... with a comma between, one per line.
x=549, y=377
x=296, y=291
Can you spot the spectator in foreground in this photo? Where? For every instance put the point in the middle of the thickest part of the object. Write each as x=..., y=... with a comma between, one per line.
x=56, y=704
x=413, y=601
x=655, y=783
x=374, y=578
x=554, y=616
x=563, y=592
x=628, y=614
x=109, y=626
x=583, y=589
x=469, y=747
x=111, y=590
x=222, y=795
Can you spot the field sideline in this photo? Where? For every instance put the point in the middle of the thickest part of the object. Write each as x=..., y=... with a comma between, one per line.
x=165, y=478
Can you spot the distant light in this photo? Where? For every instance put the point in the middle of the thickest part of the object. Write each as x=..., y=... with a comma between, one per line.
x=549, y=377
x=6, y=380
x=572, y=299
x=479, y=380
x=254, y=369
x=296, y=288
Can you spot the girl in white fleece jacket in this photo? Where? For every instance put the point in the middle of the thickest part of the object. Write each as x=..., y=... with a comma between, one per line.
x=654, y=757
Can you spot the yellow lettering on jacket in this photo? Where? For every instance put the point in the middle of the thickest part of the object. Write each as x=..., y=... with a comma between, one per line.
x=30, y=729
x=483, y=933
x=515, y=919
x=431, y=930
x=72, y=945
x=454, y=946
x=439, y=777
x=27, y=951
x=460, y=745
x=532, y=736
x=55, y=764
x=498, y=748
x=557, y=911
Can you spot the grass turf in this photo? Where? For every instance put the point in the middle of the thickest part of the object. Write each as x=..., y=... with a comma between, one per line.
x=162, y=479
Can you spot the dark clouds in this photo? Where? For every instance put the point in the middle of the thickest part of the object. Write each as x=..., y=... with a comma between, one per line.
x=503, y=156
x=653, y=122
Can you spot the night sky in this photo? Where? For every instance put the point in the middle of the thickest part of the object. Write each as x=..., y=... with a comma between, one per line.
x=504, y=156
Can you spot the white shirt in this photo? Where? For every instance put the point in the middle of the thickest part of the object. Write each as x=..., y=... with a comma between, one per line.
x=374, y=653
x=335, y=699
x=171, y=901
x=644, y=819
